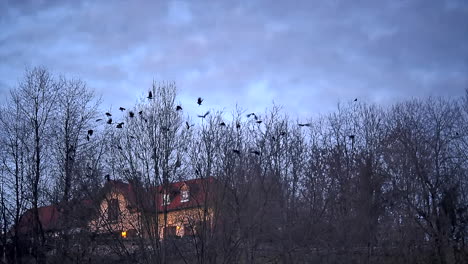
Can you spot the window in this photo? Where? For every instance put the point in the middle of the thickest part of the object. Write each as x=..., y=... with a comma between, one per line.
x=166, y=199
x=185, y=196
x=113, y=210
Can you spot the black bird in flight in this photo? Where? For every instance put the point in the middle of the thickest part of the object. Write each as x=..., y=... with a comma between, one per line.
x=178, y=108
x=236, y=151
x=256, y=152
x=203, y=116
x=259, y=121
x=252, y=114
x=109, y=121
x=305, y=124
x=131, y=114
x=150, y=95
x=90, y=132
x=121, y=109
x=119, y=125
x=99, y=119
x=355, y=99
x=108, y=114
x=222, y=124
x=199, y=101
x=187, y=125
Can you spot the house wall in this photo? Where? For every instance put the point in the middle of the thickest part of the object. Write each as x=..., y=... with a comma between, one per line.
x=128, y=218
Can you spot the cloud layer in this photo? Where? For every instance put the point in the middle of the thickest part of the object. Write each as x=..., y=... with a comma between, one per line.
x=304, y=55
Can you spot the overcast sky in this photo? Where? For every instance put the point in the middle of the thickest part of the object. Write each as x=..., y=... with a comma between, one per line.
x=304, y=55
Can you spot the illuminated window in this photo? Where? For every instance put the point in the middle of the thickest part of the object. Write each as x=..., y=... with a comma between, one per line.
x=123, y=234
x=166, y=199
x=113, y=210
x=185, y=196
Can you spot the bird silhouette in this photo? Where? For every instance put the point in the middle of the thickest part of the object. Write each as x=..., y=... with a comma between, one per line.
x=122, y=109
x=355, y=99
x=150, y=95
x=90, y=132
x=236, y=151
x=109, y=121
x=187, y=125
x=305, y=124
x=252, y=114
x=131, y=114
x=178, y=108
x=238, y=125
x=108, y=114
x=141, y=112
x=258, y=121
x=119, y=125
x=107, y=177
x=199, y=100
x=99, y=119
x=351, y=137
x=203, y=116
x=256, y=152
x=222, y=124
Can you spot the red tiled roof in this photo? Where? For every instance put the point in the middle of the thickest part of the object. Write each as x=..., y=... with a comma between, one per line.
x=198, y=188
x=48, y=216
x=198, y=193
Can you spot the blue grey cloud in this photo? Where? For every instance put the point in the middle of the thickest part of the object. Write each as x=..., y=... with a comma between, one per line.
x=304, y=55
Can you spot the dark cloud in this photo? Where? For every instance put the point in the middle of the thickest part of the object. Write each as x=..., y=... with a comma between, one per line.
x=305, y=55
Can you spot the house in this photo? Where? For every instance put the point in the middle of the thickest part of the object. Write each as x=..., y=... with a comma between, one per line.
x=172, y=210
x=130, y=210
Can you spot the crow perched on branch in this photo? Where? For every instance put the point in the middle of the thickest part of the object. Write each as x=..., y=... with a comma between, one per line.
x=178, y=108
x=121, y=109
x=258, y=121
x=203, y=116
x=108, y=114
x=222, y=124
x=109, y=121
x=119, y=125
x=150, y=95
x=238, y=125
x=90, y=132
x=355, y=99
x=199, y=100
x=131, y=114
x=236, y=151
x=141, y=112
x=352, y=137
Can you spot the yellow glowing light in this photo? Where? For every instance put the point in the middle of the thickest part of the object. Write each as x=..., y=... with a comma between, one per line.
x=178, y=227
x=124, y=234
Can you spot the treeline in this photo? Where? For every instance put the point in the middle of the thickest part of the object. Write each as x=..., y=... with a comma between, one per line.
x=365, y=183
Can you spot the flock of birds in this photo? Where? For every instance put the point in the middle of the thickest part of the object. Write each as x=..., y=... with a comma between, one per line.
x=188, y=126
